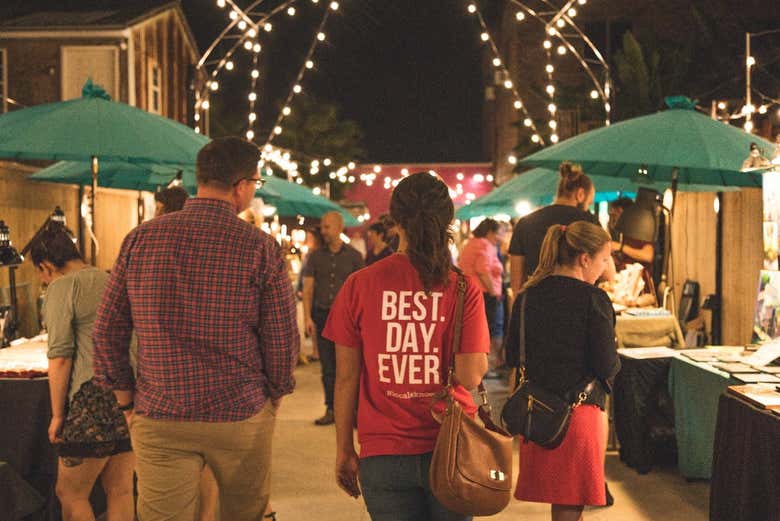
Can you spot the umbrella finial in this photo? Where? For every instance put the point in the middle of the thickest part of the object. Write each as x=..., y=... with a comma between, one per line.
x=93, y=90
x=680, y=102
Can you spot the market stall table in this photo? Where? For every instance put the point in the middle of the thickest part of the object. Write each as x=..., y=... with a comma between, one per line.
x=695, y=388
x=643, y=414
x=25, y=411
x=648, y=331
x=746, y=463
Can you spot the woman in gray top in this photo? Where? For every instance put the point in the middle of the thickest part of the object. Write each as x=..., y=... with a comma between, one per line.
x=88, y=429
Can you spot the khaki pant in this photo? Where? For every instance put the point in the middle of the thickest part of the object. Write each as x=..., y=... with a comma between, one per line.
x=170, y=456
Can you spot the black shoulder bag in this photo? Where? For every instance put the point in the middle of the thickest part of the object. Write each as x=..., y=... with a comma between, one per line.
x=535, y=413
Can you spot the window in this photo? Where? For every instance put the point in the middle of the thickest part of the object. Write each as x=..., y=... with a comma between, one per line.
x=154, y=99
x=3, y=80
x=100, y=63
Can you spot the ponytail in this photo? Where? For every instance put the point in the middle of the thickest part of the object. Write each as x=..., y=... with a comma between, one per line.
x=563, y=244
x=422, y=206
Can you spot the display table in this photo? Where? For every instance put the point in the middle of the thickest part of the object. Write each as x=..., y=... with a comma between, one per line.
x=695, y=389
x=643, y=414
x=746, y=463
x=648, y=331
x=25, y=412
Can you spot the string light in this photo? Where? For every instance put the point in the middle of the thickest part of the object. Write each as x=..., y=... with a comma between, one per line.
x=321, y=36
x=221, y=4
x=291, y=11
x=268, y=27
x=520, y=16
x=229, y=65
x=286, y=111
x=255, y=74
x=297, y=89
x=472, y=8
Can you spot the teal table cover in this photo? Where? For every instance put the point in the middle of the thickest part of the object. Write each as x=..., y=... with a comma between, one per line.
x=695, y=389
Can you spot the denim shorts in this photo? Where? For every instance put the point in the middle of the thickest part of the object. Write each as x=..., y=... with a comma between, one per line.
x=396, y=488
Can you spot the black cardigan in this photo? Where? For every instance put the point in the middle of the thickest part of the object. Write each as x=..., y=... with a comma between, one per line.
x=570, y=337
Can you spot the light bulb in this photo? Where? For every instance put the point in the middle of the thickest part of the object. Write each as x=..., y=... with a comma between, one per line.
x=297, y=89
x=220, y=3
x=496, y=62
x=550, y=90
x=255, y=73
x=252, y=117
x=327, y=162
x=334, y=6
x=351, y=165
x=233, y=15
x=242, y=25
x=748, y=126
x=214, y=85
x=277, y=130
x=552, y=31
x=721, y=105
x=252, y=32
x=560, y=23
x=377, y=169
x=321, y=36
x=291, y=11
x=552, y=108
x=197, y=116
x=205, y=104
x=197, y=130
x=286, y=111
x=484, y=36
x=508, y=84
x=553, y=124
x=554, y=138
x=547, y=44
x=472, y=8
x=607, y=107
x=561, y=50
x=520, y=16
x=527, y=122
x=535, y=138
x=229, y=65
x=762, y=109
x=257, y=47
x=252, y=96
x=549, y=68
x=594, y=94
x=309, y=64
x=582, y=2
x=268, y=27
x=248, y=45
x=250, y=134
x=751, y=61
x=351, y=179
x=518, y=104
x=572, y=12
x=512, y=159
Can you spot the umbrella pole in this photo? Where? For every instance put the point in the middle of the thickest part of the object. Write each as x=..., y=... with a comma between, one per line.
x=95, y=168
x=667, y=278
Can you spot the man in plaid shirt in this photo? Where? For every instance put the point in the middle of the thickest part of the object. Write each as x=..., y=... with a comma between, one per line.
x=212, y=306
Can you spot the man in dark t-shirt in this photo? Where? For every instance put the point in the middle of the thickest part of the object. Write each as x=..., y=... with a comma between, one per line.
x=529, y=233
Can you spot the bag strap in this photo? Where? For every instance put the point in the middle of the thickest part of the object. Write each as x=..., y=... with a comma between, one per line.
x=520, y=373
x=485, y=410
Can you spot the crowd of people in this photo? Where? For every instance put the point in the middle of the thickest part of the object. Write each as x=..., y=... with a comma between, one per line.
x=175, y=364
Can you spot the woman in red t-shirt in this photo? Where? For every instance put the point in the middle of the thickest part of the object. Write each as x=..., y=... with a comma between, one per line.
x=392, y=324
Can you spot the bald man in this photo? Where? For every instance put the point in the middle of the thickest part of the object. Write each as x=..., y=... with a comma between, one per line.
x=323, y=275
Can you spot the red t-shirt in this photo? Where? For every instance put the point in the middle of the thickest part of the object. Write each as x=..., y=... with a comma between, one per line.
x=406, y=339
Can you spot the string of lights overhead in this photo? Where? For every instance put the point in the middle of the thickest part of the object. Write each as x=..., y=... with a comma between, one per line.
x=308, y=64
x=500, y=64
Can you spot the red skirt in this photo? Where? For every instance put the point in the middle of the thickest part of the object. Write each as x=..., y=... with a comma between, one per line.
x=572, y=473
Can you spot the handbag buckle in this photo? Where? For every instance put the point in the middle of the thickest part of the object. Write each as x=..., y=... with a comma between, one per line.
x=497, y=475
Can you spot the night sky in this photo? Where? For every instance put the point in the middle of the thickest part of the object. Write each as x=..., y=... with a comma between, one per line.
x=408, y=71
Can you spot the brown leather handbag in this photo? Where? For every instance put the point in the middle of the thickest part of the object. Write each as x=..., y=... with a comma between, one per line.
x=471, y=467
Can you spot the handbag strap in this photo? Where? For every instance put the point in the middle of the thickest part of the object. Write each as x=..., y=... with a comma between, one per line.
x=456, y=338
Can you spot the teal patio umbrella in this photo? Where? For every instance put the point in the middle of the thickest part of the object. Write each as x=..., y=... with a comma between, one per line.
x=94, y=128
x=289, y=199
x=538, y=186
x=699, y=149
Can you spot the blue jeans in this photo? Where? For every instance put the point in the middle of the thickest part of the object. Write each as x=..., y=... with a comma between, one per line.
x=396, y=488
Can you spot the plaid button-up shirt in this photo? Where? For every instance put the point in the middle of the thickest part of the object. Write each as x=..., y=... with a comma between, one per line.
x=211, y=303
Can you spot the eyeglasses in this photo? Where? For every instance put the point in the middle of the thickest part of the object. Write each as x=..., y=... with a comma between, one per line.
x=259, y=181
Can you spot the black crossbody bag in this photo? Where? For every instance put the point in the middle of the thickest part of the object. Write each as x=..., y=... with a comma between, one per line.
x=537, y=414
